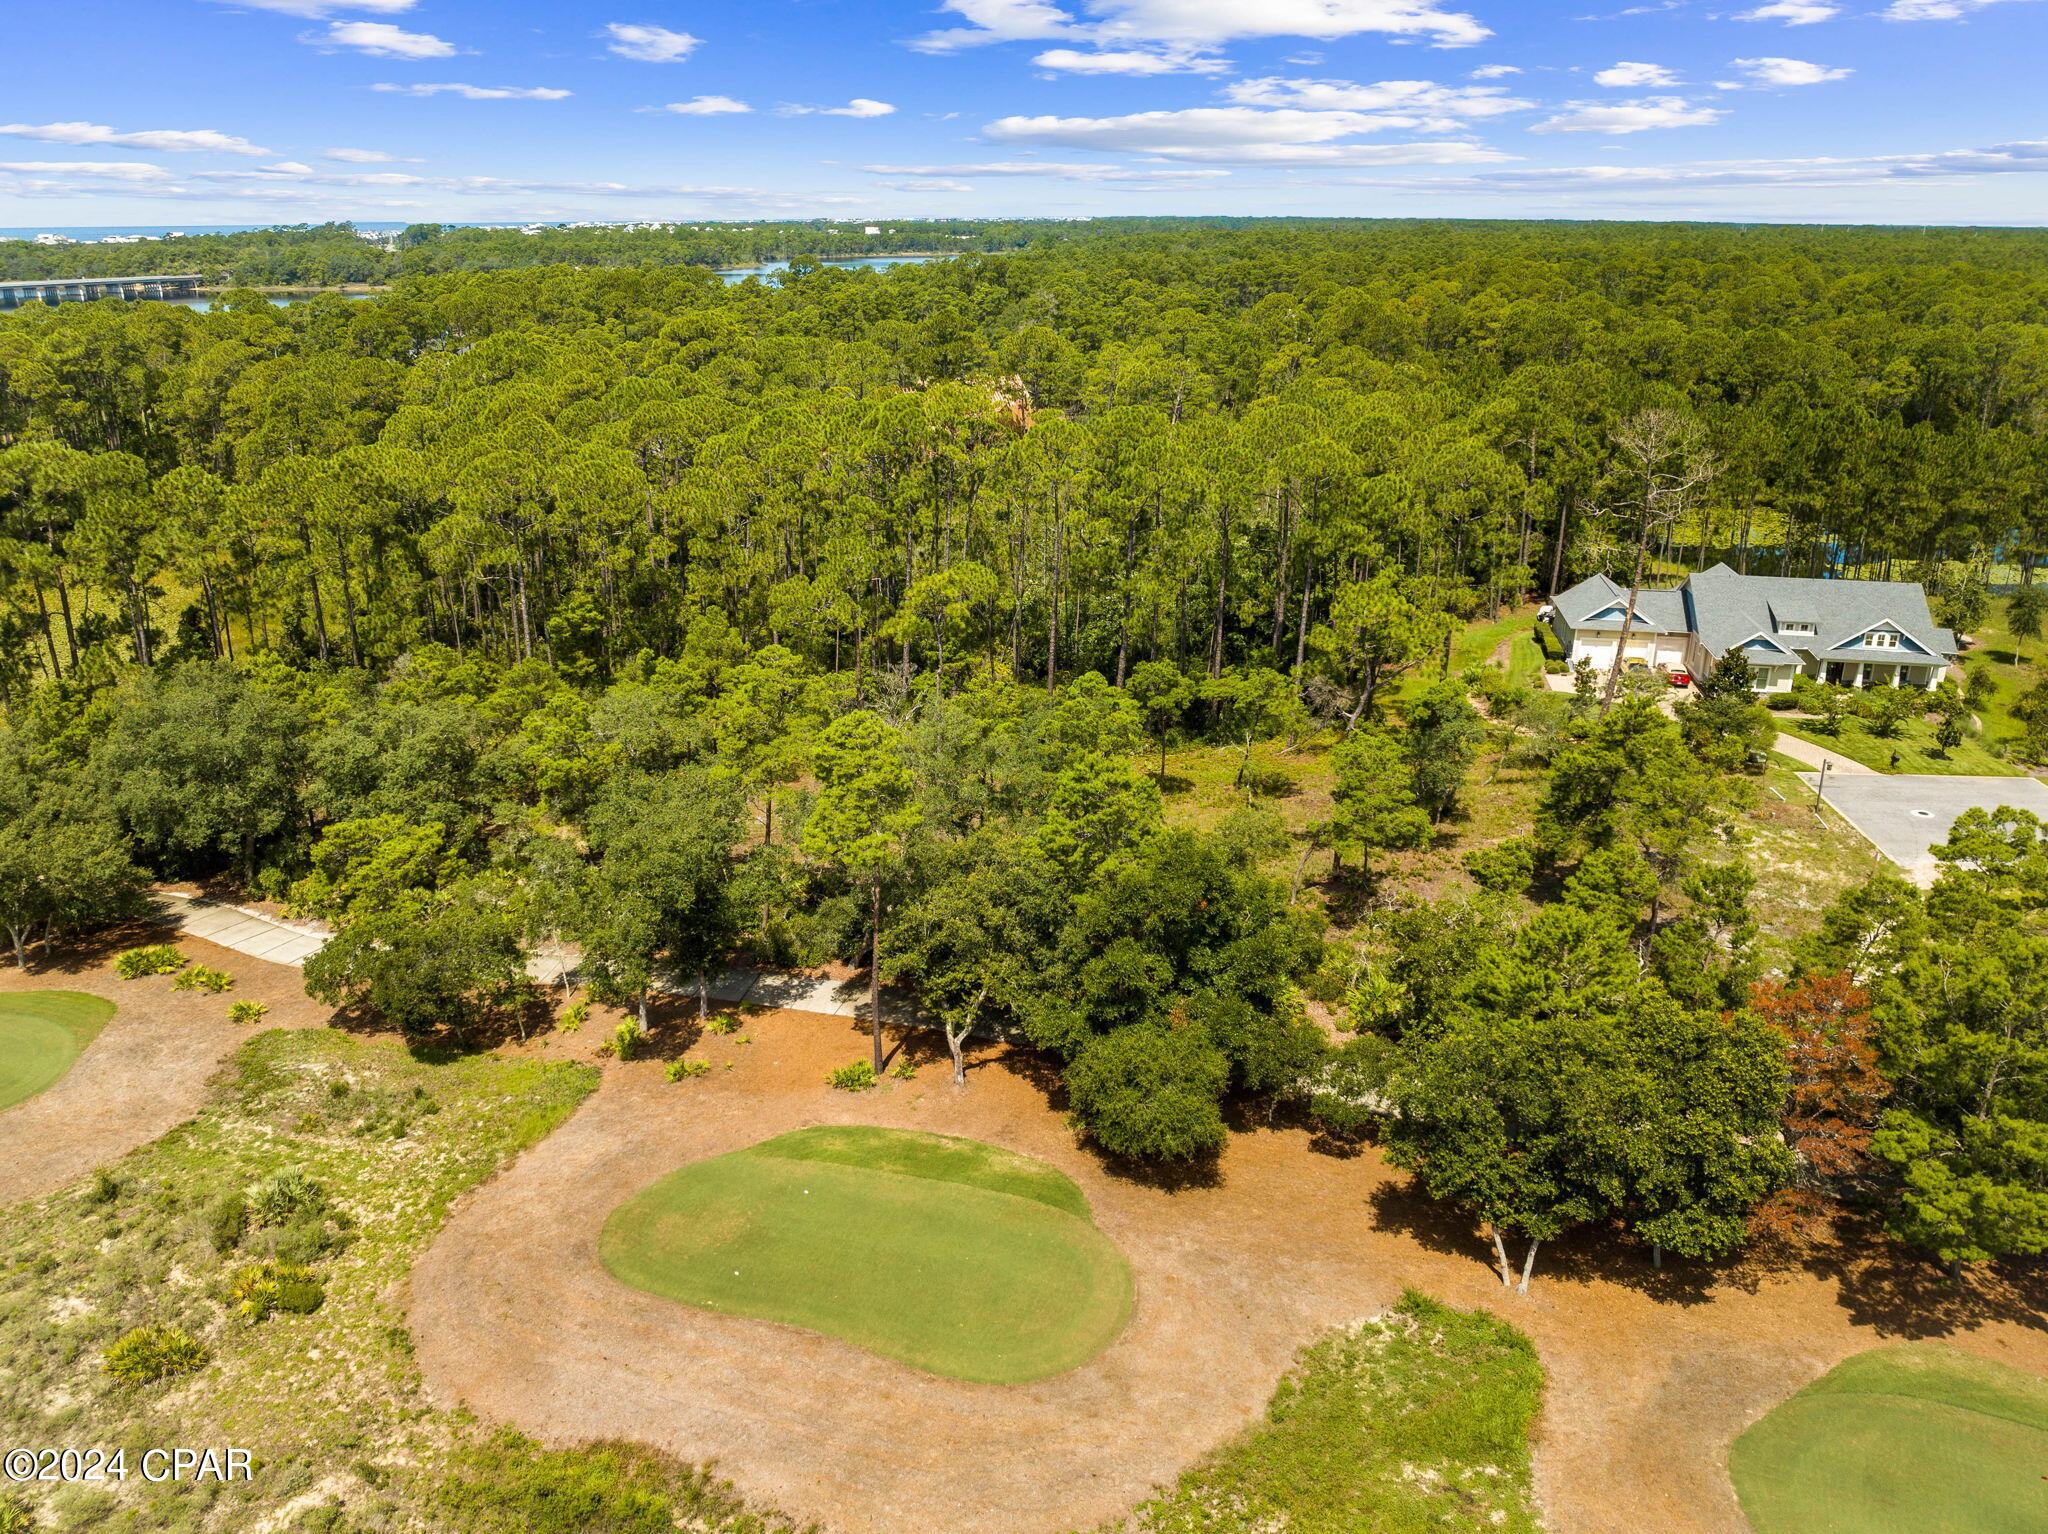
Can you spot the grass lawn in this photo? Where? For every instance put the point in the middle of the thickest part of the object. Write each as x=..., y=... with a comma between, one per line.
x=41, y=1034
x=1919, y=1436
x=1914, y=743
x=944, y=1254
x=2014, y=664
x=1525, y=661
x=1417, y=1421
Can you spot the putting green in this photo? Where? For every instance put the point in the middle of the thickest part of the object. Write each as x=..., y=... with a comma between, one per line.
x=1919, y=1437
x=41, y=1033
x=949, y=1255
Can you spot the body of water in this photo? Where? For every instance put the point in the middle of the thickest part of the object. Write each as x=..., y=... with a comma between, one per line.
x=769, y=268
x=734, y=274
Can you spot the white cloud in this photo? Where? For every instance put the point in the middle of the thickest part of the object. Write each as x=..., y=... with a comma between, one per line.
x=380, y=40
x=860, y=106
x=101, y=170
x=1933, y=10
x=1130, y=61
x=320, y=10
x=290, y=168
x=1052, y=170
x=650, y=45
x=2025, y=156
x=171, y=140
x=477, y=92
x=1199, y=23
x=1493, y=72
x=925, y=186
x=1436, y=107
x=1239, y=135
x=1794, y=13
x=358, y=156
x=1627, y=74
x=702, y=106
x=1628, y=116
x=1773, y=71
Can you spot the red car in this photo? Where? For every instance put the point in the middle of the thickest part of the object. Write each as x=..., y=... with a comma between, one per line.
x=1680, y=678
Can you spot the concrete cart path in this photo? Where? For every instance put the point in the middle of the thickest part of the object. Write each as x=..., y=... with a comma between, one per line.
x=1806, y=751
x=281, y=942
x=1907, y=815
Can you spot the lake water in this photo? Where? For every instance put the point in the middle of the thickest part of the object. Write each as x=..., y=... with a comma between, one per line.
x=731, y=275
x=769, y=268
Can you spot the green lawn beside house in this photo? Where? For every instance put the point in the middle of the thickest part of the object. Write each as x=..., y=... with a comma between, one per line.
x=1914, y=746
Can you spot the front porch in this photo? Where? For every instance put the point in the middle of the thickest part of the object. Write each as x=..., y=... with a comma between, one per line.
x=1879, y=673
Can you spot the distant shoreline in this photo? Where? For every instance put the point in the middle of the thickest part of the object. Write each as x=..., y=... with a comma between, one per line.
x=297, y=290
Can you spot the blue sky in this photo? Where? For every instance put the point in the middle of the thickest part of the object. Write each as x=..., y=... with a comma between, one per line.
x=248, y=111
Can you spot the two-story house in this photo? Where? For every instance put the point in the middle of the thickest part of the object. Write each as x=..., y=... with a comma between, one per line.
x=1862, y=633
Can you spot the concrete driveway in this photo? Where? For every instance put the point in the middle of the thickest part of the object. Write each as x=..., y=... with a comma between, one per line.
x=1907, y=815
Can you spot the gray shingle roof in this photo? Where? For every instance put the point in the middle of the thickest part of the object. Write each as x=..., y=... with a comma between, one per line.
x=1726, y=610
x=1661, y=612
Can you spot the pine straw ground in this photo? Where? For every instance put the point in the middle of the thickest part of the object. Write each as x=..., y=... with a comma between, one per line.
x=1650, y=1375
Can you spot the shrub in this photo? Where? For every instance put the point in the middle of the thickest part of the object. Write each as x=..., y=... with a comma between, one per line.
x=200, y=978
x=625, y=1039
x=16, y=1516
x=574, y=1016
x=1508, y=867
x=247, y=1013
x=157, y=959
x=1151, y=1093
x=857, y=1077
x=151, y=1353
x=105, y=1189
x=903, y=1070
x=227, y=1221
x=263, y=1287
x=1780, y=702
x=511, y=1485
x=286, y=1197
x=723, y=1024
x=688, y=1070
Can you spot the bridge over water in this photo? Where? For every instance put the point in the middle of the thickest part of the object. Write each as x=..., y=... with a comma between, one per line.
x=73, y=290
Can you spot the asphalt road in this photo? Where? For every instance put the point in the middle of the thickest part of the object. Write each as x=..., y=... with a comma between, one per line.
x=1907, y=815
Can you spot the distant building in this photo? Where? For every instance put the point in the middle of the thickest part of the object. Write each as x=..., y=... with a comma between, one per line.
x=55, y=239
x=1861, y=633
x=872, y=229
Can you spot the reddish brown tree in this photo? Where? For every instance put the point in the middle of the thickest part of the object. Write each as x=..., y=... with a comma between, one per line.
x=1832, y=1094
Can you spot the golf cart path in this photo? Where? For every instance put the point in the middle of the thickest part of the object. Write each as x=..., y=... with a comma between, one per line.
x=262, y=936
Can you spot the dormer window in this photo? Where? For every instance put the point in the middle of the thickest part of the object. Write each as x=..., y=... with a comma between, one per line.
x=1881, y=639
x=1795, y=628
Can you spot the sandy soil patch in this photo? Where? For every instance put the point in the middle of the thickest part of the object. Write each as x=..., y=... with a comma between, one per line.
x=147, y=1070
x=1652, y=1375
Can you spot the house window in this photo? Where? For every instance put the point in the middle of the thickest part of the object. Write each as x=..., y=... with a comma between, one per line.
x=1881, y=639
x=1795, y=628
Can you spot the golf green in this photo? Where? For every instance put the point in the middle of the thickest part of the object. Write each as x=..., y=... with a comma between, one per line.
x=41, y=1033
x=1916, y=1437
x=946, y=1254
